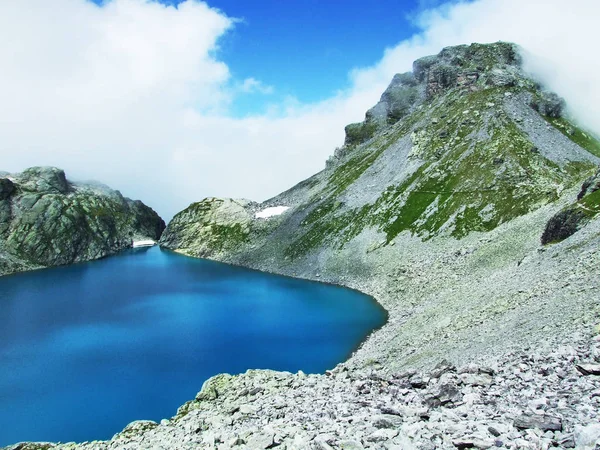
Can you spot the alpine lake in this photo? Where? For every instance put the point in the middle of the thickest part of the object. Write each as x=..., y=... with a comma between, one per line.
x=88, y=348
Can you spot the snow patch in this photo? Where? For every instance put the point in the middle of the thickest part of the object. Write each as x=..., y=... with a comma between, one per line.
x=146, y=243
x=270, y=212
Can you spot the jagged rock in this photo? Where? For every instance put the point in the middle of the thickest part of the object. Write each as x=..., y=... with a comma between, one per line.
x=476, y=379
x=472, y=443
x=137, y=428
x=567, y=441
x=446, y=393
x=44, y=180
x=587, y=437
x=544, y=423
x=548, y=104
x=588, y=369
x=350, y=445
x=567, y=222
x=382, y=435
x=6, y=188
x=263, y=440
x=397, y=100
x=563, y=225
x=442, y=368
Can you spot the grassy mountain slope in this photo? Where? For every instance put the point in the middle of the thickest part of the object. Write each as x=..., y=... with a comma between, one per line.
x=464, y=143
x=435, y=205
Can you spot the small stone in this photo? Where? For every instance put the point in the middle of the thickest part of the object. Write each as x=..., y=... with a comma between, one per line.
x=247, y=409
x=442, y=368
x=350, y=445
x=494, y=432
x=567, y=441
x=236, y=441
x=256, y=390
x=446, y=393
x=262, y=440
x=476, y=380
x=382, y=435
x=382, y=422
x=472, y=443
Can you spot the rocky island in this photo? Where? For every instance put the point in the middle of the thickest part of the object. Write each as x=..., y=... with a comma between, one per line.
x=467, y=204
x=46, y=220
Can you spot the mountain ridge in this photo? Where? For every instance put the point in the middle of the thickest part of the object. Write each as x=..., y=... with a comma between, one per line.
x=46, y=220
x=469, y=151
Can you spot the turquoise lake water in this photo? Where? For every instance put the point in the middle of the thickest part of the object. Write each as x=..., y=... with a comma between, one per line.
x=88, y=348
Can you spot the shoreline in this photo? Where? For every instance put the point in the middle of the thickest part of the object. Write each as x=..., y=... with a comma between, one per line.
x=372, y=298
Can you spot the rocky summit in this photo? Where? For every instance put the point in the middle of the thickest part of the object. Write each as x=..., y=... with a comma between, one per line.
x=46, y=220
x=466, y=203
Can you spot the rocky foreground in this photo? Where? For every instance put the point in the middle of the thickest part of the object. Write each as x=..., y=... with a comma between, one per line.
x=47, y=220
x=532, y=399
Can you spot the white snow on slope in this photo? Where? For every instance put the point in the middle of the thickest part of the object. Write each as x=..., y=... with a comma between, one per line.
x=270, y=212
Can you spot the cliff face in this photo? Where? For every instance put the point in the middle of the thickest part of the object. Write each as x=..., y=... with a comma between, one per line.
x=45, y=220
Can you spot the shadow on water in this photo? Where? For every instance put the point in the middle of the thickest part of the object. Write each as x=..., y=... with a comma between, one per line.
x=86, y=349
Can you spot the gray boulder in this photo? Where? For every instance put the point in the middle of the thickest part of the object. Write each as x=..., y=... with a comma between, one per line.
x=591, y=185
x=6, y=188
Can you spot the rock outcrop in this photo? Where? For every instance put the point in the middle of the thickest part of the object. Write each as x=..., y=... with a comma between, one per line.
x=571, y=219
x=209, y=228
x=45, y=220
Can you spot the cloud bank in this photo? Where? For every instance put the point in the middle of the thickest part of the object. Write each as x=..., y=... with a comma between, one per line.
x=134, y=93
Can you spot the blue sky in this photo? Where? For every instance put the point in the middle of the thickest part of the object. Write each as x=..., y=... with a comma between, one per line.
x=305, y=49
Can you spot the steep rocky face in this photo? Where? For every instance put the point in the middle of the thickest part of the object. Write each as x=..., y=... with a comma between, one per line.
x=464, y=143
x=45, y=220
x=568, y=221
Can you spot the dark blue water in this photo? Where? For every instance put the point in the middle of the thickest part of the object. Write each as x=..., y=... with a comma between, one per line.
x=86, y=349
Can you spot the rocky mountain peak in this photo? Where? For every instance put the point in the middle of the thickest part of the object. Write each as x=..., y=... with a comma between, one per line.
x=464, y=67
x=44, y=179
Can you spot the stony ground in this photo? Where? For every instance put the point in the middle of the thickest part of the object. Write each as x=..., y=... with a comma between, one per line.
x=524, y=400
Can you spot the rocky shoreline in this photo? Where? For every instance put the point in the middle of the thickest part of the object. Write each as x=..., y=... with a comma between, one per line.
x=524, y=400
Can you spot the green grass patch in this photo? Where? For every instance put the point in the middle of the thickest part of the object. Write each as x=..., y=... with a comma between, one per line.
x=582, y=138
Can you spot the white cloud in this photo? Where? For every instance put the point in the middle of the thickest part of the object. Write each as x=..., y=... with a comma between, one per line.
x=134, y=94
x=252, y=85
